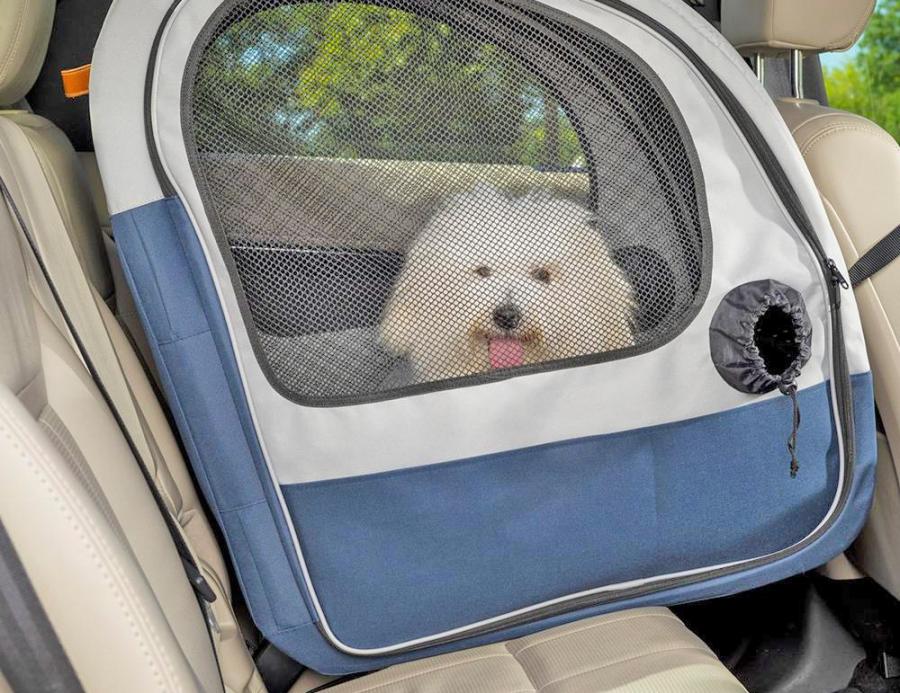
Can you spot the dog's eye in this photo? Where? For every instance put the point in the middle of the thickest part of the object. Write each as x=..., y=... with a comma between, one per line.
x=542, y=274
x=483, y=271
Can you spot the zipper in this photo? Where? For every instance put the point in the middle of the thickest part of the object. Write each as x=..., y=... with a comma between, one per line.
x=837, y=279
x=836, y=276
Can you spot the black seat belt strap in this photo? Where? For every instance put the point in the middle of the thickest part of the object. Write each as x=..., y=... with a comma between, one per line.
x=877, y=257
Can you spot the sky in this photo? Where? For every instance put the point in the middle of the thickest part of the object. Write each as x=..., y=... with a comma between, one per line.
x=838, y=59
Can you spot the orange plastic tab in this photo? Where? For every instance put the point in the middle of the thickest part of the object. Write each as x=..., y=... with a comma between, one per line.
x=76, y=82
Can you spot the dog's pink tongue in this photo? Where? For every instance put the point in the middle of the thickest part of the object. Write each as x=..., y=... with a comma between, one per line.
x=505, y=352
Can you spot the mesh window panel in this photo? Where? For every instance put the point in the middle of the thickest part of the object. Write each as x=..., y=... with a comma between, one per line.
x=420, y=194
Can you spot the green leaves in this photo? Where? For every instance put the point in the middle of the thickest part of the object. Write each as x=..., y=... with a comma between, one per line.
x=870, y=83
x=361, y=81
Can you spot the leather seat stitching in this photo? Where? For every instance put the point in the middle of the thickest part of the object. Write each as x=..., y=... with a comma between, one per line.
x=528, y=675
x=566, y=633
x=56, y=192
x=15, y=43
x=626, y=660
x=836, y=129
x=71, y=505
x=826, y=114
x=50, y=473
x=445, y=667
x=29, y=383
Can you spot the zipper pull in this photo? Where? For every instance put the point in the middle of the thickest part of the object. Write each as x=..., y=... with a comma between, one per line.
x=790, y=389
x=837, y=278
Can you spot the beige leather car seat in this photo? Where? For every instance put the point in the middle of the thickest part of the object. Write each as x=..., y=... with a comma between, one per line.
x=58, y=198
x=856, y=166
x=79, y=513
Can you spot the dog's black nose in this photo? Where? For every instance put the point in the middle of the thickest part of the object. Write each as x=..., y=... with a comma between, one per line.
x=508, y=316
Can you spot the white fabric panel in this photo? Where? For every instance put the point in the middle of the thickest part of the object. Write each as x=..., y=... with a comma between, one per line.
x=720, y=55
x=118, y=79
x=675, y=382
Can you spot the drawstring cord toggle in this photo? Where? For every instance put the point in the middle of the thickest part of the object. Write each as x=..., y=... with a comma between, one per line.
x=790, y=389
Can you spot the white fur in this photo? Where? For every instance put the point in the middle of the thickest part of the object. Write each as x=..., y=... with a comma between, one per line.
x=440, y=312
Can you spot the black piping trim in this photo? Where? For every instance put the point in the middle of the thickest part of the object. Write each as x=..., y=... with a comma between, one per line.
x=168, y=190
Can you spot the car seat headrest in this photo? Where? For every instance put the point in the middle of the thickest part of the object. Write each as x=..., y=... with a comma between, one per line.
x=770, y=27
x=24, y=35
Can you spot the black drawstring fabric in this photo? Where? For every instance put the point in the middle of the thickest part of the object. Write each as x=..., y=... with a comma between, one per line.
x=790, y=389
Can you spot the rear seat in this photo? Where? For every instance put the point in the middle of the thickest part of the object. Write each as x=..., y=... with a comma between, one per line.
x=70, y=482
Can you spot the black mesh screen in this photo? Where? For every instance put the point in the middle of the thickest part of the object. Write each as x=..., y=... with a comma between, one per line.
x=417, y=191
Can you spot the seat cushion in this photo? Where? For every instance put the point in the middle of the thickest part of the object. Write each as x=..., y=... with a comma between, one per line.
x=639, y=650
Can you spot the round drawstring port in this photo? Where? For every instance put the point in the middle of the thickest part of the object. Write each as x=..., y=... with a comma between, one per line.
x=760, y=339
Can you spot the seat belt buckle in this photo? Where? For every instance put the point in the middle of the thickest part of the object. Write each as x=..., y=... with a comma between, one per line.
x=198, y=582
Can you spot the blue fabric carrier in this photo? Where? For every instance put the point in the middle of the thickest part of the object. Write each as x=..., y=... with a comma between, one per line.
x=477, y=318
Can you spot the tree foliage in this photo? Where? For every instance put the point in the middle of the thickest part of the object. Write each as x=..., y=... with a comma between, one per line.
x=362, y=81
x=869, y=84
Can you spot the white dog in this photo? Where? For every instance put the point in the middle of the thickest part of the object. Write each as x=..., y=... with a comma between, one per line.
x=497, y=282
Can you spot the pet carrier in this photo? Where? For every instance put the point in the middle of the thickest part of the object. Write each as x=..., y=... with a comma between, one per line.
x=478, y=317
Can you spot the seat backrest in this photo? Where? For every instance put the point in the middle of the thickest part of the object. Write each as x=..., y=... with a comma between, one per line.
x=856, y=167
x=72, y=178
x=58, y=199
x=78, y=511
